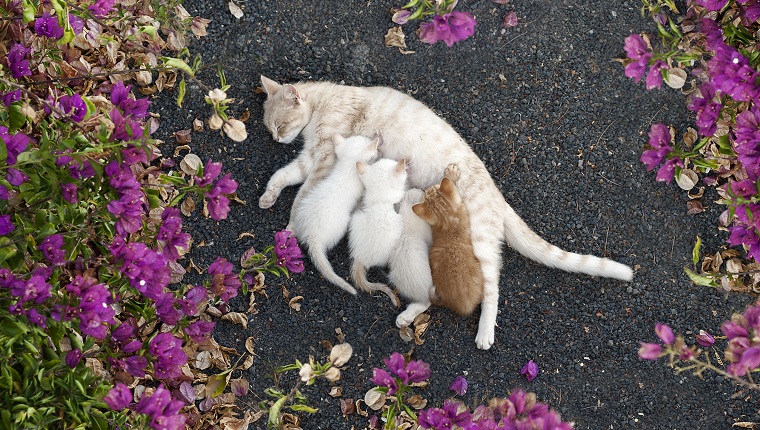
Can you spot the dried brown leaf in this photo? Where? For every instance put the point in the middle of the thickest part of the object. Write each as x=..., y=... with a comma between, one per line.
x=347, y=406
x=687, y=179
x=235, y=130
x=190, y=164
x=197, y=125
x=694, y=207
x=247, y=363
x=203, y=360
x=406, y=333
x=332, y=374
x=340, y=354
x=188, y=206
x=375, y=399
x=249, y=344
x=215, y=122
x=416, y=401
x=235, y=10
x=339, y=334
x=237, y=318
x=395, y=37
x=337, y=391
x=675, y=77
x=294, y=303
x=199, y=26
x=183, y=136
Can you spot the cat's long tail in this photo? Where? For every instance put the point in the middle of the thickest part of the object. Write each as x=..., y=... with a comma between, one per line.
x=528, y=243
x=318, y=255
x=359, y=273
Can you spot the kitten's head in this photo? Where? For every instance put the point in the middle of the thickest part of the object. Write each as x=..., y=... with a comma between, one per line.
x=386, y=177
x=286, y=113
x=441, y=202
x=356, y=148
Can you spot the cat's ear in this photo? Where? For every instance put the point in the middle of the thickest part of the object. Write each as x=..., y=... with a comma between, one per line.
x=375, y=143
x=450, y=190
x=422, y=211
x=291, y=94
x=270, y=86
x=400, y=167
x=361, y=167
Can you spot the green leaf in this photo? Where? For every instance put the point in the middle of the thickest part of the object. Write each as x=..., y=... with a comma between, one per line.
x=704, y=281
x=181, y=92
x=176, y=63
x=29, y=11
x=695, y=251
x=16, y=119
x=274, y=413
x=217, y=383
x=304, y=408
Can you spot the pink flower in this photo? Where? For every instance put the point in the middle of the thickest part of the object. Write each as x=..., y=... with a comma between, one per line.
x=705, y=339
x=459, y=386
x=650, y=351
x=510, y=19
x=450, y=28
x=530, y=370
x=665, y=333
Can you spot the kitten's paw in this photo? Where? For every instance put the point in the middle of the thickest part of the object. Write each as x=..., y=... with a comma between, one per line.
x=452, y=172
x=267, y=200
x=404, y=319
x=485, y=338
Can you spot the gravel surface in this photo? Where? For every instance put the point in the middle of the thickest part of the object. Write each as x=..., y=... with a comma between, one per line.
x=561, y=130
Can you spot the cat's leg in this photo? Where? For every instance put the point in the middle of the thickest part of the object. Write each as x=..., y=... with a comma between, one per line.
x=359, y=274
x=452, y=172
x=294, y=173
x=319, y=172
x=410, y=313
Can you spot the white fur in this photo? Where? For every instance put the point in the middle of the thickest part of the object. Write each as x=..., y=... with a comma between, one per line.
x=322, y=218
x=375, y=227
x=410, y=260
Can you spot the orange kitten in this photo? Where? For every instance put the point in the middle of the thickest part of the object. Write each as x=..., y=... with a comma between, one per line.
x=457, y=275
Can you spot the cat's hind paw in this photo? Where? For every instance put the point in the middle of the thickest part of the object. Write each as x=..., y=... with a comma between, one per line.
x=485, y=338
x=452, y=172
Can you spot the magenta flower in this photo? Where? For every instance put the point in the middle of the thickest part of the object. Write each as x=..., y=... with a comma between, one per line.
x=74, y=106
x=16, y=177
x=450, y=28
x=459, y=386
x=654, y=77
x=17, y=61
x=169, y=355
x=665, y=333
x=650, y=351
x=199, y=331
x=47, y=25
x=224, y=283
x=52, y=249
x=11, y=97
x=69, y=193
x=447, y=417
x=401, y=16
x=77, y=23
x=36, y=318
x=170, y=234
x=73, y=357
x=6, y=226
x=712, y=5
x=530, y=370
x=287, y=252
x=510, y=19
x=15, y=144
x=636, y=49
x=119, y=397
x=382, y=378
x=101, y=8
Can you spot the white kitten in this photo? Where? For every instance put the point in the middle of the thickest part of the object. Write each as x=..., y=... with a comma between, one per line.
x=322, y=218
x=375, y=227
x=409, y=264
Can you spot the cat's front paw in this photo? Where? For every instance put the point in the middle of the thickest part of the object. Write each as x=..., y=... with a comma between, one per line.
x=268, y=199
x=485, y=338
x=452, y=172
x=404, y=319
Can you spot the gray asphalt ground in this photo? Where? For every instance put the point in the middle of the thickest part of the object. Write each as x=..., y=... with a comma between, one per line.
x=561, y=130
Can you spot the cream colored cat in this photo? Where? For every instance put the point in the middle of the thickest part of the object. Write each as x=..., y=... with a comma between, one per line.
x=411, y=131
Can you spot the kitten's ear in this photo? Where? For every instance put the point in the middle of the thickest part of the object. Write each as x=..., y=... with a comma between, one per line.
x=338, y=139
x=375, y=143
x=422, y=211
x=270, y=86
x=361, y=167
x=400, y=167
x=450, y=190
x=291, y=94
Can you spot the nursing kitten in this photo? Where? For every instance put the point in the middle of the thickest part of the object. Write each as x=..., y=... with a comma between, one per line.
x=375, y=227
x=457, y=276
x=411, y=131
x=409, y=267
x=322, y=218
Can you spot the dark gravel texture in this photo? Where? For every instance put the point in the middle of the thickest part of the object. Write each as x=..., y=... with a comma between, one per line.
x=561, y=130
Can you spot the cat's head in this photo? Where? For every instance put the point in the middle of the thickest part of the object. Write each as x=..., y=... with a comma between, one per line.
x=441, y=200
x=286, y=113
x=385, y=176
x=358, y=148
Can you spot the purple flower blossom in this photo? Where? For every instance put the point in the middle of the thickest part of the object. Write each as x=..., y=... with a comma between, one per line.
x=224, y=283
x=6, y=226
x=77, y=24
x=445, y=418
x=510, y=19
x=654, y=77
x=74, y=106
x=450, y=28
x=133, y=154
x=118, y=397
x=47, y=25
x=101, y=8
x=69, y=193
x=36, y=318
x=211, y=171
x=170, y=234
x=650, y=351
x=733, y=330
x=16, y=177
x=17, y=61
x=10, y=97
x=165, y=310
x=382, y=378
x=199, y=331
x=94, y=310
x=530, y=370
x=123, y=332
x=148, y=271
x=82, y=170
x=665, y=333
x=636, y=49
x=14, y=144
x=459, y=386
x=52, y=249
x=169, y=356
x=667, y=170
x=712, y=5
x=287, y=252
x=73, y=357
x=401, y=16
x=135, y=365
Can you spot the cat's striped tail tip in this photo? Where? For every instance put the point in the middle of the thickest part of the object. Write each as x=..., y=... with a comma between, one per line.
x=621, y=271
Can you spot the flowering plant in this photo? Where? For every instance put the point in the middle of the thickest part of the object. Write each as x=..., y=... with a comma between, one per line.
x=91, y=333
x=446, y=25
x=717, y=41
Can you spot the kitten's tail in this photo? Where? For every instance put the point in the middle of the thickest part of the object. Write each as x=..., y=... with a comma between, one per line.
x=528, y=243
x=318, y=255
x=359, y=273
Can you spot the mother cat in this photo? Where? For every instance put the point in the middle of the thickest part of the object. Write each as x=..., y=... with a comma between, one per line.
x=411, y=131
